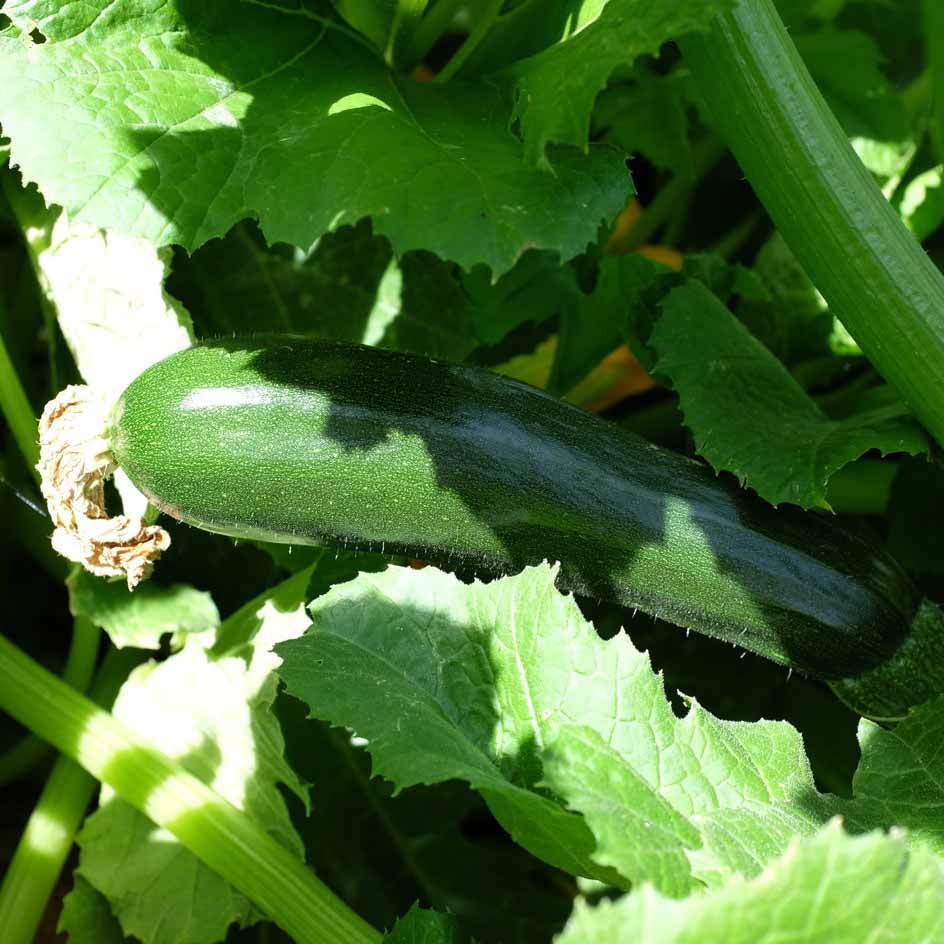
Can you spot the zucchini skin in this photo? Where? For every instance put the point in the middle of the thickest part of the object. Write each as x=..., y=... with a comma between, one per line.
x=313, y=442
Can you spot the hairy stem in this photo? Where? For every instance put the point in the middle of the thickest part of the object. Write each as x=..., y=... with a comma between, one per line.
x=224, y=837
x=870, y=269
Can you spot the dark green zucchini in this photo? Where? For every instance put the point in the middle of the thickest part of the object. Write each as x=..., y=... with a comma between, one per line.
x=313, y=442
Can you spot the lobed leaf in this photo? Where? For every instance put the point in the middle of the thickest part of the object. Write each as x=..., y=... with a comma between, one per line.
x=826, y=889
x=174, y=121
x=557, y=87
x=592, y=324
x=425, y=927
x=86, y=917
x=649, y=117
x=210, y=708
x=750, y=417
x=846, y=65
x=922, y=203
x=899, y=777
x=143, y=617
x=507, y=687
x=486, y=683
x=438, y=845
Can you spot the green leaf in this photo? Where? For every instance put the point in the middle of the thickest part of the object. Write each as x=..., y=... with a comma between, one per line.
x=888, y=160
x=922, y=203
x=107, y=290
x=912, y=675
x=438, y=845
x=846, y=67
x=619, y=807
x=741, y=687
x=556, y=88
x=86, y=917
x=795, y=322
x=238, y=285
x=932, y=22
x=827, y=889
x=750, y=417
x=404, y=658
x=526, y=27
x=796, y=13
x=507, y=687
x=211, y=710
x=176, y=121
x=425, y=927
x=916, y=516
x=534, y=290
x=141, y=618
x=430, y=317
x=724, y=279
x=592, y=324
x=899, y=780
x=349, y=288
x=650, y=117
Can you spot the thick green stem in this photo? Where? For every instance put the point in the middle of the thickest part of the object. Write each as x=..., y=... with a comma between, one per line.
x=53, y=824
x=832, y=214
x=30, y=751
x=225, y=838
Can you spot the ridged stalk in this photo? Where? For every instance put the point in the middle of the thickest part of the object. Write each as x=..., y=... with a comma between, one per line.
x=30, y=751
x=218, y=833
x=50, y=832
x=877, y=279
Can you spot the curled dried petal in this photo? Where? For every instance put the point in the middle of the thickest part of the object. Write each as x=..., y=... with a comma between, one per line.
x=74, y=463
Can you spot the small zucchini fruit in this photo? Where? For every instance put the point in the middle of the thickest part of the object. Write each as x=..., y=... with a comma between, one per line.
x=312, y=442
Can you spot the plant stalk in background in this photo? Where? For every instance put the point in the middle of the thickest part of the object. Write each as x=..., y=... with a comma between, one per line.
x=877, y=279
x=222, y=836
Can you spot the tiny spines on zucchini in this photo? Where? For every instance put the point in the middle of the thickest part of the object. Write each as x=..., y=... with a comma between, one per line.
x=316, y=442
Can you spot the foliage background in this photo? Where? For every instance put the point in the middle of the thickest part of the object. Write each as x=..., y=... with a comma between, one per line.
x=179, y=170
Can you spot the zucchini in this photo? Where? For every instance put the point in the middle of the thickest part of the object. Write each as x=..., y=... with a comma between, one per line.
x=313, y=442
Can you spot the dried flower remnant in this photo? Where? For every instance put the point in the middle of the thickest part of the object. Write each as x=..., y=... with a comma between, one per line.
x=75, y=460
